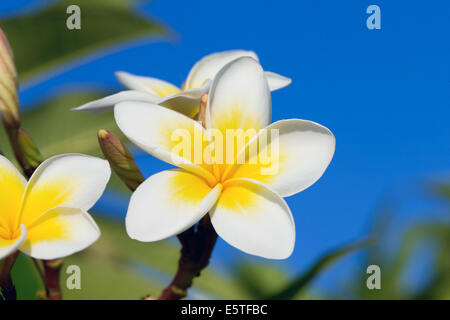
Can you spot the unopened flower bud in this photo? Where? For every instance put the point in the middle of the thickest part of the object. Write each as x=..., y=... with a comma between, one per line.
x=120, y=159
x=9, y=105
x=31, y=157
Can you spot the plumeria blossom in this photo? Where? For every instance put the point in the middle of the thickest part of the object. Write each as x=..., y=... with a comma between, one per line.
x=185, y=100
x=46, y=217
x=246, y=207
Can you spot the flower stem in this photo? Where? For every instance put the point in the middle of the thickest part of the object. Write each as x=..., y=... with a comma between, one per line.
x=52, y=270
x=196, y=249
x=6, y=283
x=39, y=269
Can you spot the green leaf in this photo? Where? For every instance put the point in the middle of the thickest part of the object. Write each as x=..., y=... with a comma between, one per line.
x=41, y=41
x=301, y=282
x=439, y=285
x=65, y=130
x=260, y=279
x=441, y=189
x=395, y=265
x=26, y=278
x=117, y=267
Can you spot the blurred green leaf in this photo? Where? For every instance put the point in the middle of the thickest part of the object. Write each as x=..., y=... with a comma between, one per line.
x=41, y=41
x=65, y=130
x=26, y=278
x=439, y=285
x=103, y=279
x=117, y=267
x=395, y=264
x=260, y=279
x=300, y=283
x=441, y=189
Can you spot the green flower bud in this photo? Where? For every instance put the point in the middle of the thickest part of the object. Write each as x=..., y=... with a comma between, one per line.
x=31, y=157
x=120, y=159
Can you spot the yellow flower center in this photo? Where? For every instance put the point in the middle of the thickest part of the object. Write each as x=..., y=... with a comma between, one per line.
x=8, y=233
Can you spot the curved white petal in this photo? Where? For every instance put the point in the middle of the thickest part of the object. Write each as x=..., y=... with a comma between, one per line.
x=167, y=204
x=254, y=219
x=186, y=102
x=276, y=81
x=154, y=86
x=292, y=155
x=8, y=246
x=209, y=65
x=12, y=188
x=71, y=180
x=239, y=97
x=165, y=134
x=107, y=103
x=60, y=232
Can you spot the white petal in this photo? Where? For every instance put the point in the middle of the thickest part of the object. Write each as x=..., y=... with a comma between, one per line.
x=60, y=232
x=254, y=219
x=107, y=103
x=186, y=102
x=160, y=131
x=12, y=188
x=71, y=180
x=9, y=246
x=296, y=159
x=276, y=81
x=239, y=97
x=153, y=86
x=167, y=204
x=209, y=65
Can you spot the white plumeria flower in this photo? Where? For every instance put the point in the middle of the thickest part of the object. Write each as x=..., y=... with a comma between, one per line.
x=246, y=208
x=185, y=100
x=46, y=218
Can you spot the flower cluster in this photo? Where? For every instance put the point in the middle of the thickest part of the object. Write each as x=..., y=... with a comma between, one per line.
x=233, y=168
x=226, y=98
x=245, y=205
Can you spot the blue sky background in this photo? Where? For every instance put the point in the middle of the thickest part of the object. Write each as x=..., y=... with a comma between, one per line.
x=384, y=94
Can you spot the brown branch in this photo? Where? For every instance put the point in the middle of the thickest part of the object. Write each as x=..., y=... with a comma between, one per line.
x=52, y=270
x=196, y=249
